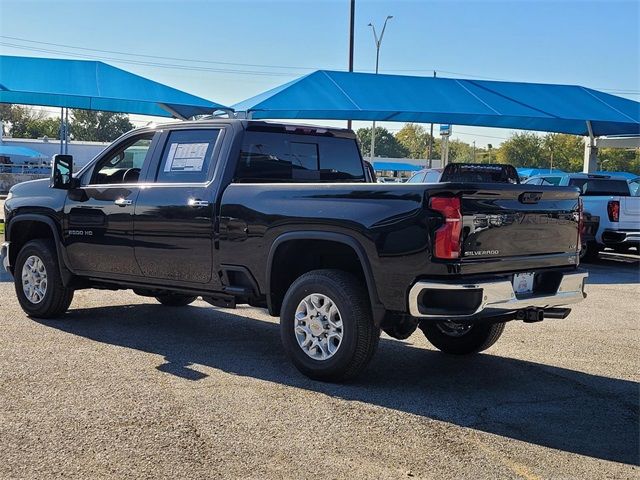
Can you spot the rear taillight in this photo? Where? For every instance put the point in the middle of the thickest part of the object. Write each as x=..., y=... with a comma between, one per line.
x=613, y=209
x=447, y=238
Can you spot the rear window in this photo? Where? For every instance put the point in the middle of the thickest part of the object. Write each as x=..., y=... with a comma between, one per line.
x=279, y=157
x=479, y=173
x=601, y=186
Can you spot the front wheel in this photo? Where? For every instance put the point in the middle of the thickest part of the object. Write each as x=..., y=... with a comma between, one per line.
x=326, y=325
x=38, y=283
x=461, y=339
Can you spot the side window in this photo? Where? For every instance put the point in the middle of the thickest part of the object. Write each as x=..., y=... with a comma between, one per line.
x=277, y=157
x=187, y=156
x=124, y=164
x=533, y=181
x=340, y=160
x=263, y=157
x=304, y=161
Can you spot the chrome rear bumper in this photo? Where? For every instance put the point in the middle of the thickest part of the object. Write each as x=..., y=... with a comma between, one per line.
x=493, y=297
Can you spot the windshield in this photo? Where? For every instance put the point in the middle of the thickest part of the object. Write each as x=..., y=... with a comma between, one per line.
x=601, y=186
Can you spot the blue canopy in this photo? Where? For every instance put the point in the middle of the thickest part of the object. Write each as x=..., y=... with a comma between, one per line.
x=93, y=85
x=396, y=166
x=329, y=95
x=9, y=150
x=530, y=172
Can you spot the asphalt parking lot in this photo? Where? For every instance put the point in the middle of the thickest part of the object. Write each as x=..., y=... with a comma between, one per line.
x=122, y=387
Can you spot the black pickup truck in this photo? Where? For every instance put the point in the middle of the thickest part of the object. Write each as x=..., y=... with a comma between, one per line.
x=288, y=218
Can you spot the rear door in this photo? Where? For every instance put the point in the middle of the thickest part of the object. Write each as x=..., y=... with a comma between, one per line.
x=514, y=221
x=175, y=211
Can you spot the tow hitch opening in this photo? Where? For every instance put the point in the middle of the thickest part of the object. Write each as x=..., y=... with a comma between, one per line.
x=531, y=315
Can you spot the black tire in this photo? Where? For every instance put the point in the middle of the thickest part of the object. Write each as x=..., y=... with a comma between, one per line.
x=359, y=334
x=476, y=339
x=57, y=297
x=589, y=252
x=176, y=300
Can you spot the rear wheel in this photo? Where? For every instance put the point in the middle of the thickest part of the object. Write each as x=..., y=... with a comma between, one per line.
x=461, y=339
x=38, y=283
x=176, y=300
x=326, y=325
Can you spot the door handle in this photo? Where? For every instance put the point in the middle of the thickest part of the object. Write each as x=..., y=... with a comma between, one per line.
x=198, y=203
x=123, y=202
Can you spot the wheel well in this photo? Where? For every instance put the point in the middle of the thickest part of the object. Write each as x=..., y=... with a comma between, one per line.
x=25, y=231
x=294, y=258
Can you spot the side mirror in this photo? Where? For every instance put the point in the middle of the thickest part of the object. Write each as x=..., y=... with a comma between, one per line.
x=61, y=172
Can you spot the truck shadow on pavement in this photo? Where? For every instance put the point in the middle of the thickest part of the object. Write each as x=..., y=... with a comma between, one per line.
x=544, y=405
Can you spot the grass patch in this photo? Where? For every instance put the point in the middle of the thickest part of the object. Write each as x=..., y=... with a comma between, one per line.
x=1, y=228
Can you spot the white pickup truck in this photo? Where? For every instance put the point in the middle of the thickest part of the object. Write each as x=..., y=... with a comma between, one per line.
x=611, y=200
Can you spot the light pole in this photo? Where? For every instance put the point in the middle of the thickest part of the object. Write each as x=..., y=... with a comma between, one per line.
x=378, y=43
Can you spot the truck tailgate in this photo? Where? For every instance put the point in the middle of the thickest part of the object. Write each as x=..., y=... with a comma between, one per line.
x=519, y=220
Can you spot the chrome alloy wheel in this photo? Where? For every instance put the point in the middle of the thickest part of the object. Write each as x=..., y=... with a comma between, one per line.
x=318, y=326
x=34, y=279
x=453, y=329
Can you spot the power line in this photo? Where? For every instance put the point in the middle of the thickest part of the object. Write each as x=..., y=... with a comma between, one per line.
x=158, y=57
x=149, y=64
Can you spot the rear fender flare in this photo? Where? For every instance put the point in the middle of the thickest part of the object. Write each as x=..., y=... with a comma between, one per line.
x=377, y=308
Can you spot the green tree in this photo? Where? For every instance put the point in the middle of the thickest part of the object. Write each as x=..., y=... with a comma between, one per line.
x=46, y=127
x=460, y=151
x=567, y=152
x=95, y=126
x=523, y=150
x=619, y=160
x=386, y=144
x=415, y=139
x=25, y=122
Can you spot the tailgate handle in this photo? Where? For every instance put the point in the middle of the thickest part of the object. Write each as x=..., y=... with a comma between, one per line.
x=530, y=197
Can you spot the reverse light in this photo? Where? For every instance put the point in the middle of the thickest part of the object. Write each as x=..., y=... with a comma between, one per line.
x=613, y=209
x=447, y=237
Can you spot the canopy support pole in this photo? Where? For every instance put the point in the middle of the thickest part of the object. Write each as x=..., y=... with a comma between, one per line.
x=61, y=130
x=590, y=152
x=66, y=131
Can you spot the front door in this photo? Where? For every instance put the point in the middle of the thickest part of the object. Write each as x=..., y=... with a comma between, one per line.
x=175, y=211
x=98, y=216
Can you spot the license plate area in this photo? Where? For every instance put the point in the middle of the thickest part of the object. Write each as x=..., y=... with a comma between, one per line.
x=523, y=283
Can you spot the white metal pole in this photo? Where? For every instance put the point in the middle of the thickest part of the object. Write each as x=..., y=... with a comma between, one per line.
x=61, y=130
x=378, y=44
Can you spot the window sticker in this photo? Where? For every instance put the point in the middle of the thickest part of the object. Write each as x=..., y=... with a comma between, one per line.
x=186, y=157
